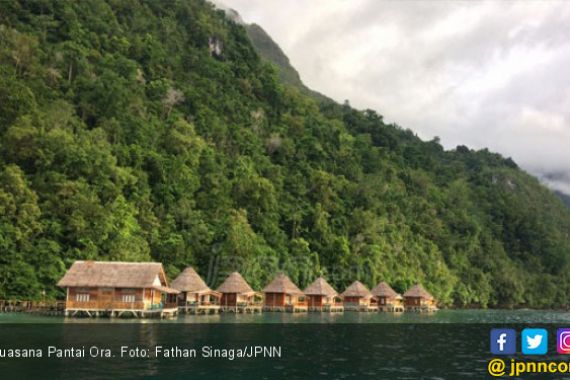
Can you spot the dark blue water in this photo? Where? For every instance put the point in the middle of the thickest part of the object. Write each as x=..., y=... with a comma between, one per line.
x=445, y=345
x=442, y=316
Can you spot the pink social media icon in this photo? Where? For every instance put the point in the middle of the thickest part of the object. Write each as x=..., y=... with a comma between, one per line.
x=563, y=341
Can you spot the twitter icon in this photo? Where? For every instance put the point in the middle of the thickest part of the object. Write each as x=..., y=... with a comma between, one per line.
x=534, y=341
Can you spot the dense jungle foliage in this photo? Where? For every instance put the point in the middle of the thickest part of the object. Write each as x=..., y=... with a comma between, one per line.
x=565, y=197
x=152, y=130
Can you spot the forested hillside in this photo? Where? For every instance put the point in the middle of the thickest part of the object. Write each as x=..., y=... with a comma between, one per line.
x=565, y=197
x=152, y=130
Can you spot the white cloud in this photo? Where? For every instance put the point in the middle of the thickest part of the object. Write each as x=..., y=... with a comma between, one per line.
x=484, y=74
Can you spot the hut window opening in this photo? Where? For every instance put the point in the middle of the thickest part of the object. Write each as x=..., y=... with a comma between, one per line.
x=82, y=297
x=128, y=298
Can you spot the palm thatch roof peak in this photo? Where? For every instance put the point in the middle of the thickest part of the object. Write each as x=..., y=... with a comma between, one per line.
x=190, y=281
x=282, y=284
x=357, y=289
x=418, y=291
x=320, y=287
x=384, y=290
x=235, y=283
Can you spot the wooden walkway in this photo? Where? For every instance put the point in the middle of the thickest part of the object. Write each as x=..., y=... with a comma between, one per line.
x=122, y=313
x=57, y=308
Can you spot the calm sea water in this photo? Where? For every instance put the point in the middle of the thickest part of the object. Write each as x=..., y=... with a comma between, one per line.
x=442, y=316
x=450, y=344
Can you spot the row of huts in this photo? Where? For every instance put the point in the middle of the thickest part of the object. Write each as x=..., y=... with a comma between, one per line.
x=96, y=288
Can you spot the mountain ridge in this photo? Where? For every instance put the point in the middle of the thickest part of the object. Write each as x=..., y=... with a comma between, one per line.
x=270, y=51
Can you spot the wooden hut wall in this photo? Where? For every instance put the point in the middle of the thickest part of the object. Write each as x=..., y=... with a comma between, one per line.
x=413, y=301
x=352, y=299
x=315, y=300
x=229, y=299
x=275, y=299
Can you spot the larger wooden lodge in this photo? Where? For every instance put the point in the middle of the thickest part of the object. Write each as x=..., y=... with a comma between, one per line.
x=115, y=289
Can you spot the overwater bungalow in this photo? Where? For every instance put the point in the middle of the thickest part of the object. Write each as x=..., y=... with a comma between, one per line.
x=118, y=289
x=283, y=295
x=322, y=297
x=357, y=297
x=420, y=300
x=195, y=296
x=388, y=299
x=238, y=296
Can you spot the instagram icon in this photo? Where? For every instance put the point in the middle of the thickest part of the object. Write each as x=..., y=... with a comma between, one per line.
x=563, y=341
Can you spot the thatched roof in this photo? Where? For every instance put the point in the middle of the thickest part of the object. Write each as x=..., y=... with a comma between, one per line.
x=357, y=289
x=190, y=281
x=320, y=287
x=384, y=290
x=111, y=274
x=282, y=284
x=235, y=283
x=418, y=291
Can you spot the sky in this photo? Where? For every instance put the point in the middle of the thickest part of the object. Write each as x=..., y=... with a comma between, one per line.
x=486, y=74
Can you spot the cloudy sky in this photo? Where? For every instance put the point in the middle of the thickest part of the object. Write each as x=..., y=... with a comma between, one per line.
x=490, y=74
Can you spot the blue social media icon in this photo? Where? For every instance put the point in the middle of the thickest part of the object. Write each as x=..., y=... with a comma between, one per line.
x=534, y=341
x=503, y=341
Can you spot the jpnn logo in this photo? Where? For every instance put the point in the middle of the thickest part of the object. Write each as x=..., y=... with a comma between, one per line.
x=504, y=341
x=534, y=341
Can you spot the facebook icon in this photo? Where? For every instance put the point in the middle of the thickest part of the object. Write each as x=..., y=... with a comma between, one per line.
x=503, y=341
